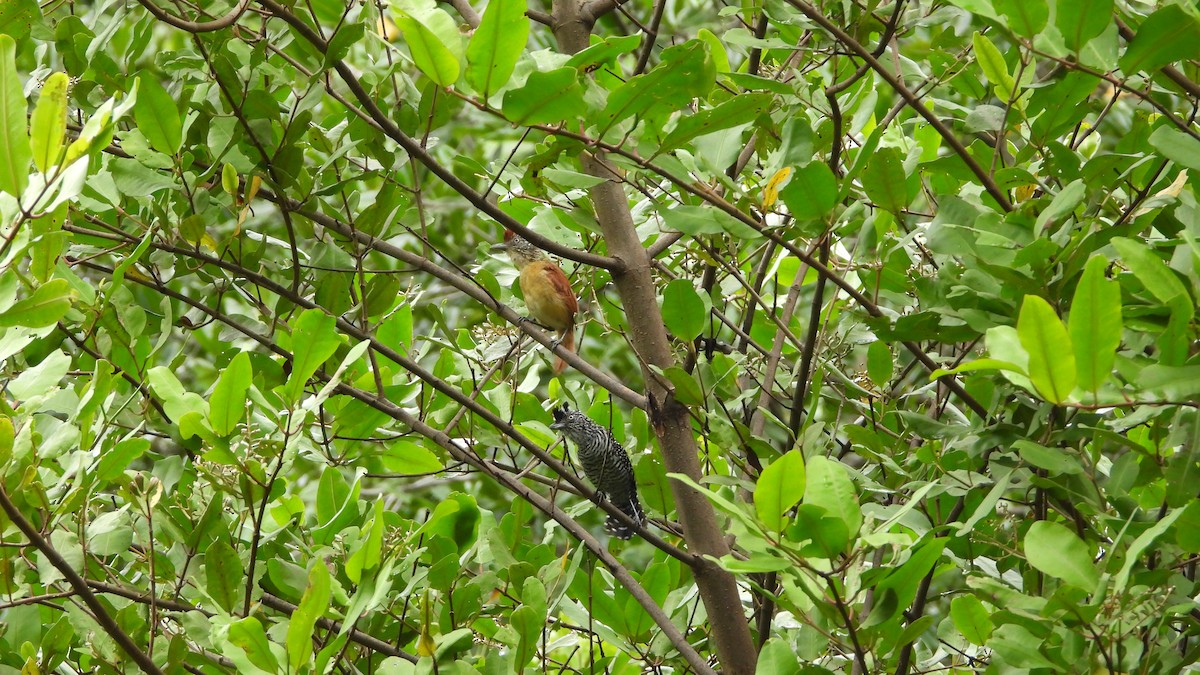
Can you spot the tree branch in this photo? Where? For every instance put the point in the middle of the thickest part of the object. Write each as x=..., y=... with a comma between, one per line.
x=273, y=602
x=418, y=152
x=466, y=11
x=408, y=364
x=507, y=480
x=894, y=82
x=1170, y=71
x=193, y=27
x=670, y=419
x=80, y=586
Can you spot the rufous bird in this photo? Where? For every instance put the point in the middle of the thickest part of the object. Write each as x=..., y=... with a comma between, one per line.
x=548, y=294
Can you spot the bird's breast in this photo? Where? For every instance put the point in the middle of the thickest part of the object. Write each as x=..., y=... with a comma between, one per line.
x=548, y=295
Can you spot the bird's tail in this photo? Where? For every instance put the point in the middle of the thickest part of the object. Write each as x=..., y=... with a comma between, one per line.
x=567, y=342
x=633, y=509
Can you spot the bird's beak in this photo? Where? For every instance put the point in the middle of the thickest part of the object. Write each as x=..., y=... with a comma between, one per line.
x=556, y=426
x=499, y=248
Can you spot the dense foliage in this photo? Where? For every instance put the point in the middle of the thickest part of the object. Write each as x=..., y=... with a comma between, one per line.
x=893, y=304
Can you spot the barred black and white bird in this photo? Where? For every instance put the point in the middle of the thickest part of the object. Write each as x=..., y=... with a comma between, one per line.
x=606, y=464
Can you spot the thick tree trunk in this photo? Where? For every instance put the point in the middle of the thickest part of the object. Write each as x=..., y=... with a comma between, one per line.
x=670, y=419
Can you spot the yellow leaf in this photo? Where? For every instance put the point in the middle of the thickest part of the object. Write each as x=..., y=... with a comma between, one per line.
x=425, y=644
x=255, y=183
x=771, y=191
x=387, y=28
x=132, y=273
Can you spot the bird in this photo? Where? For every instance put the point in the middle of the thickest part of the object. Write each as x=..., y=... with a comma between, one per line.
x=548, y=294
x=606, y=465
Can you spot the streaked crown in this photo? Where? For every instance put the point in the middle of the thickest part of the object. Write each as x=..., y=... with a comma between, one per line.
x=520, y=250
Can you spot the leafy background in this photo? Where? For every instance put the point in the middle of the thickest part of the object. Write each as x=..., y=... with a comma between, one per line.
x=893, y=304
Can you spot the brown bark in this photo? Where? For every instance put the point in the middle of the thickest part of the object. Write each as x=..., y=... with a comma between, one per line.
x=671, y=422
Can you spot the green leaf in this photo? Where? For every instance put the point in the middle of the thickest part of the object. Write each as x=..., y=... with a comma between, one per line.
x=829, y=487
x=811, y=193
x=1187, y=535
x=14, y=140
x=1013, y=645
x=1184, y=466
x=223, y=573
x=48, y=304
x=1053, y=549
x=1063, y=204
x=48, y=125
x=434, y=42
x=1154, y=274
x=16, y=19
x=128, y=262
x=347, y=35
x=736, y=111
x=35, y=381
x=314, y=340
x=49, y=241
x=1004, y=346
x=715, y=47
x=756, y=563
x=176, y=400
x=1174, y=382
x=312, y=606
x=248, y=634
x=777, y=657
x=1051, y=357
x=685, y=387
x=572, y=179
x=1169, y=34
x=116, y=459
x=683, y=311
x=1095, y=325
x=1081, y=20
x=1059, y=106
x=455, y=518
x=698, y=220
x=546, y=98
x=453, y=643
x=779, y=488
x=1139, y=545
x=1025, y=17
x=7, y=436
x=97, y=132
x=496, y=45
x=902, y=582
x=110, y=533
x=1054, y=460
x=228, y=402
x=828, y=533
x=366, y=556
x=397, y=330
x=604, y=49
x=1176, y=146
x=885, y=181
x=406, y=457
x=337, y=505
x=685, y=72
x=971, y=619
x=529, y=625
x=157, y=116
x=994, y=68
x=229, y=179
x=879, y=363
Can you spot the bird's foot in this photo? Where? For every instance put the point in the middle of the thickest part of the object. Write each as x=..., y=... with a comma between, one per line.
x=529, y=319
